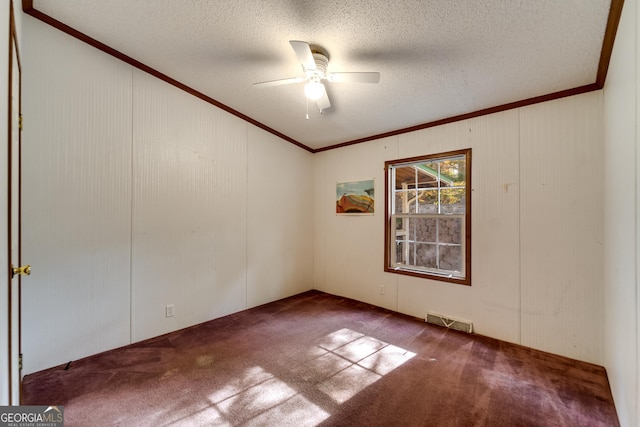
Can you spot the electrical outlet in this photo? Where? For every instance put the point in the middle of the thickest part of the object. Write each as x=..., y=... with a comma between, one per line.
x=170, y=310
x=381, y=289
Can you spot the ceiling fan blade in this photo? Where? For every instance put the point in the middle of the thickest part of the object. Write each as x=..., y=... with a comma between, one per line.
x=362, y=77
x=323, y=102
x=303, y=52
x=279, y=82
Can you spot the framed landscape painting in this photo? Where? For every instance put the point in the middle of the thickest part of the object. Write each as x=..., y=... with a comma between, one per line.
x=355, y=197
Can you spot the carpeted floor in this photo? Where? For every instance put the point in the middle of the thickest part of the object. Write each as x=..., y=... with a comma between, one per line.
x=317, y=359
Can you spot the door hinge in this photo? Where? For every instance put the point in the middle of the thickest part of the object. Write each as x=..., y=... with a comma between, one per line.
x=20, y=122
x=20, y=361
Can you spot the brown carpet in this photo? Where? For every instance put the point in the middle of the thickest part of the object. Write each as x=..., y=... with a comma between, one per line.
x=317, y=359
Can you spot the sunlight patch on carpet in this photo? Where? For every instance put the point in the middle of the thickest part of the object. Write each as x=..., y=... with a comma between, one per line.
x=344, y=363
x=321, y=368
x=258, y=398
x=248, y=379
x=297, y=411
x=369, y=360
x=339, y=338
x=347, y=383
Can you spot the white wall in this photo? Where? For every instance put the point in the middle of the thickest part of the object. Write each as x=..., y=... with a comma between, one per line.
x=348, y=249
x=189, y=209
x=76, y=199
x=138, y=195
x=279, y=218
x=622, y=210
x=561, y=226
x=536, y=226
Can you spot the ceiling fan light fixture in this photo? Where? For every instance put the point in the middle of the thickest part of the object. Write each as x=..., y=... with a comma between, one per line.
x=314, y=90
x=314, y=64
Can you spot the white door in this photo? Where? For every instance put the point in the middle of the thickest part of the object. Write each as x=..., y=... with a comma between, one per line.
x=16, y=269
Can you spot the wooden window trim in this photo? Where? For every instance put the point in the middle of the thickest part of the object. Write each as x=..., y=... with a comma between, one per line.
x=388, y=216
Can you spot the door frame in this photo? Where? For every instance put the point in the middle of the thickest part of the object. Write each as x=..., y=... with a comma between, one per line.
x=14, y=55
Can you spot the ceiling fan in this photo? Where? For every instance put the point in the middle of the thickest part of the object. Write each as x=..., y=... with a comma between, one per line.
x=314, y=64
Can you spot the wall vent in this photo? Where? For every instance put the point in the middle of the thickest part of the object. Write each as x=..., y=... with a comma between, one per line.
x=449, y=322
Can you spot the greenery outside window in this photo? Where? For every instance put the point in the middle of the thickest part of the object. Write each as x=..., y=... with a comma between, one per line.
x=428, y=216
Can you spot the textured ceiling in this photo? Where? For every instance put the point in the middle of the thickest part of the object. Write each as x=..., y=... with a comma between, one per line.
x=437, y=58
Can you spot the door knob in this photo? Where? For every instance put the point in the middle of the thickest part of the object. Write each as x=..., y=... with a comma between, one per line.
x=25, y=270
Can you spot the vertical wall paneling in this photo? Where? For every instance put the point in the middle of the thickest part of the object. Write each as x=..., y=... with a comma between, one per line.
x=136, y=198
x=351, y=249
x=621, y=215
x=496, y=220
x=320, y=202
x=492, y=302
x=189, y=209
x=561, y=227
x=537, y=249
x=77, y=196
x=280, y=218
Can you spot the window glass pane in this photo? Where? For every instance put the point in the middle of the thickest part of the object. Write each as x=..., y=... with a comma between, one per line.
x=450, y=230
x=425, y=255
x=428, y=171
x=422, y=229
x=453, y=172
x=400, y=248
x=428, y=201
x=450, y=258
x=427, y=175
x=410, y=254
x=405, y=177
x=452, y=201
x=403, y=201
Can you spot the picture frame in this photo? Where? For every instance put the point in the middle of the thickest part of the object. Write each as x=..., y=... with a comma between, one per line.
x=355, y=197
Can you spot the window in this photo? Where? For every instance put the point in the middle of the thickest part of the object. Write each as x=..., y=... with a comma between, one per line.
x=428, y=216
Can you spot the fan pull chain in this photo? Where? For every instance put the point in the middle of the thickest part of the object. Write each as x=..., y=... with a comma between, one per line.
x=307, y=107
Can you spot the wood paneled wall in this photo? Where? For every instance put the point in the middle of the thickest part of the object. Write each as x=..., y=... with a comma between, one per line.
x=537, y=226
x=138, y=196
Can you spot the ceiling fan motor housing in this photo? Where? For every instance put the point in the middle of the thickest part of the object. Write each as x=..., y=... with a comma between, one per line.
x=321, y=64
